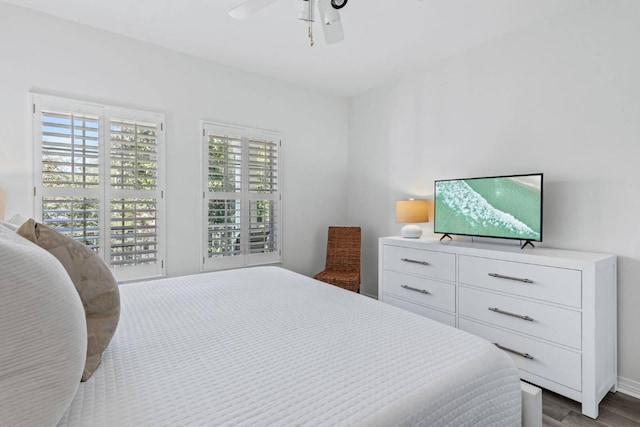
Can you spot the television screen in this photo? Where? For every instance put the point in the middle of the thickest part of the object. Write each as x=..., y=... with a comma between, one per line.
x=508, y=207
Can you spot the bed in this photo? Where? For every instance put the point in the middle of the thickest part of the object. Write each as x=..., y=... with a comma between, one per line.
x=266, y=346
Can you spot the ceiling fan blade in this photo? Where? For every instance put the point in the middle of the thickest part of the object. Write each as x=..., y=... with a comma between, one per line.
x=333, y=33
x=330, y=21
x=249, y=7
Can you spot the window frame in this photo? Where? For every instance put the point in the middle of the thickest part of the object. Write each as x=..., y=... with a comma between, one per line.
x=244, y=196
x=104, y=191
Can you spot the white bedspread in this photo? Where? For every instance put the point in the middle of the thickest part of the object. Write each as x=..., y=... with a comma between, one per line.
x=265, y=346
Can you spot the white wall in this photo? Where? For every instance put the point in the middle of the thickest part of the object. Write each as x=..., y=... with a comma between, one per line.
x=561, y=97
x=42, y=53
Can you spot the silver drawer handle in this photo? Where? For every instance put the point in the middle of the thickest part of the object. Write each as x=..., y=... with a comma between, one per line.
x=414, y=261
x=518, y=279
x=510, y=350
x=422, y=291
x=519, y=316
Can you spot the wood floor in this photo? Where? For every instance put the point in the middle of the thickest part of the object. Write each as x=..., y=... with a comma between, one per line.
x=616, y=409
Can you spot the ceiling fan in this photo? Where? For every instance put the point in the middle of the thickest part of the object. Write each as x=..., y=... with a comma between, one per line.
x=328, y=10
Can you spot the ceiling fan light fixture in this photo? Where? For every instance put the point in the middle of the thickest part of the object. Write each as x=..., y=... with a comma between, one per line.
x=328, y=9
x=329, y=15
x=306, y=10
x=338, y=4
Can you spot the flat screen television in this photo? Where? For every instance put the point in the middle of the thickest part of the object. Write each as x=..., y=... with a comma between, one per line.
x=506, y=207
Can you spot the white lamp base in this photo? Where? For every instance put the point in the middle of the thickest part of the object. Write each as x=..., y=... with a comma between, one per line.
x=411, y=231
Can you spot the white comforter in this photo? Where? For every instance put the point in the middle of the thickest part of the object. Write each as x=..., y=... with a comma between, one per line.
x=265, y=346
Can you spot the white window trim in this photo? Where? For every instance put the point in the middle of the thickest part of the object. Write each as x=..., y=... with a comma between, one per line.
x=104, y=192
x=243, y=260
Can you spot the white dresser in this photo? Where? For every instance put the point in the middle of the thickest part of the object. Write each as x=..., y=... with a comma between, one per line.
x=553, y=310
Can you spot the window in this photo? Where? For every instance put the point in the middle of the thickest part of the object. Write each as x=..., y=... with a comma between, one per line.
x=242, y=200
x=99, y=181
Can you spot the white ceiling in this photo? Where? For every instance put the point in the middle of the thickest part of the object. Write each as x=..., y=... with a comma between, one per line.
x=383, y=39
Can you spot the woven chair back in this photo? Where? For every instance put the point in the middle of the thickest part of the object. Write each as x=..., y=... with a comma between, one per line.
x=343, y=249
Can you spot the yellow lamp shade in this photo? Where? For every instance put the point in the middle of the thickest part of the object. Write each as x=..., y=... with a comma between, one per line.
x=412, y=210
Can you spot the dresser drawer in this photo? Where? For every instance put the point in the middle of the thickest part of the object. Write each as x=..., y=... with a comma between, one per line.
x=558, y=285
x=420, y=290
x=548, y=361
x=555, y=324
x=438, y=265
x=447, y=319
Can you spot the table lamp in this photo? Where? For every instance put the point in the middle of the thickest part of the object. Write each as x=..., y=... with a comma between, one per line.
x=409, y=212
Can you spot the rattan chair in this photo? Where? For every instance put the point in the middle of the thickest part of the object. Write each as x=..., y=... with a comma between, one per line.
x=342, y=267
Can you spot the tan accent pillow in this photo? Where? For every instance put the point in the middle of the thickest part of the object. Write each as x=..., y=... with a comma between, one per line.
x=94, y=282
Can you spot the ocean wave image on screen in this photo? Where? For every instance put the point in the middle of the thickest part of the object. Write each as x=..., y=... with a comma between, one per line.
x=488, y=207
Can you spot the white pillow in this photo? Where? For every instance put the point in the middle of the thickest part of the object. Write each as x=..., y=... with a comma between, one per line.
x=9, y=226
x=16, y=221
x=43, y=334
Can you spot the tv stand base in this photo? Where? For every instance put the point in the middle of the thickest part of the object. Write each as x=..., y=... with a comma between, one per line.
x=446, y=235
x=527, y=242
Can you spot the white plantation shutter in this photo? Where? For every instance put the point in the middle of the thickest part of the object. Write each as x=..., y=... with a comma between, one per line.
x=223, y=196
x=98, y=180
x=70, y=150
x=224, y=162
x=134, y=194
x=76, y=217
x=224, y=227
x=134, y=237
x=241, y=197
x=68, y=195
x=263, y=196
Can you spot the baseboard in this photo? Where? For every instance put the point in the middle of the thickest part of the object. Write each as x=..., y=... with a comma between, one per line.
x=630, y=387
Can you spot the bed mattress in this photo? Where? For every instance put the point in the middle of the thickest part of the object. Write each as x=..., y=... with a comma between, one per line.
x=266, y=346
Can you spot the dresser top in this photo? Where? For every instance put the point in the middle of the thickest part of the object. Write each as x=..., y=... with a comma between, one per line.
x=543, y=255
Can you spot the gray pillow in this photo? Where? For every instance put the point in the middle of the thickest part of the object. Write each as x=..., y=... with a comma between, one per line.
x=94, y=282
x=43, y=334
